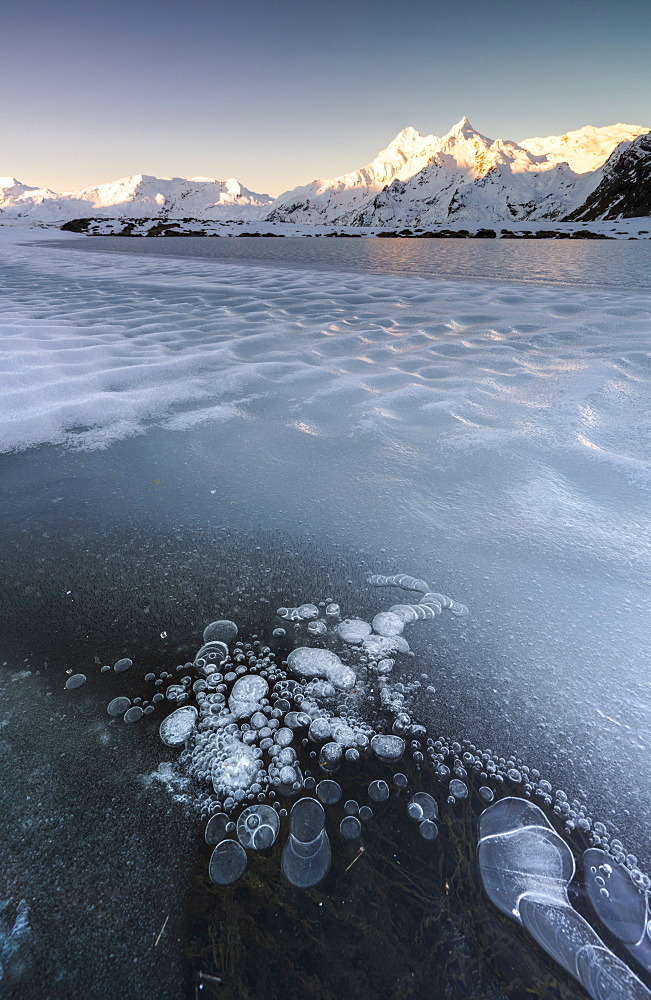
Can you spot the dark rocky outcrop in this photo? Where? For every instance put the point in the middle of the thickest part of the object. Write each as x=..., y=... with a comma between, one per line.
x=624, y=191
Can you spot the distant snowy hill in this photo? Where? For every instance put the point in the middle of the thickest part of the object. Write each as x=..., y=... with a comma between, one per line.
x=461, y=177
x=139, y=196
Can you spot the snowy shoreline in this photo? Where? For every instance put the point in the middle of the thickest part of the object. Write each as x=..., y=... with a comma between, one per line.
x=621, y=229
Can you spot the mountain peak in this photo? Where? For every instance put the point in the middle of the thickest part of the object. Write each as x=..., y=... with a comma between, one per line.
x=463, y=127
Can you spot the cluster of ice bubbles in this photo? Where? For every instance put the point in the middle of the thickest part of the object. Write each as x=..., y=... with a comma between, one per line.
x=264, y=739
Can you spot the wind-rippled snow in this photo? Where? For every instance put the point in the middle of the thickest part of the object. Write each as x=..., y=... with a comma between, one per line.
x=96, y=347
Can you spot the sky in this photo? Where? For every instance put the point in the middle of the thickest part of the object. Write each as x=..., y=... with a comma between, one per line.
x=278, y=92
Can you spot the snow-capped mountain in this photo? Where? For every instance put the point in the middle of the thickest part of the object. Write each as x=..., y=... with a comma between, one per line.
x=418, y=180
x=139, y=196
x=465, y=177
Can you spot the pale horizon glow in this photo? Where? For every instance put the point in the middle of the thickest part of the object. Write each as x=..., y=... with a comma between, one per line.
x=277, y=96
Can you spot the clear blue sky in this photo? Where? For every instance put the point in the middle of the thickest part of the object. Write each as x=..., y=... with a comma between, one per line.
x=277, y=93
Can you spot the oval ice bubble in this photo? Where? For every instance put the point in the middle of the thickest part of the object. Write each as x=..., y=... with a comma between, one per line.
x=353, y=630
x=350, y=828
x=246, y=695
x=227, y=863
x=76, y=681
x=305, y=864
x=216, y=828
x=309, y=662
x=175, y=729
x=378, y=791
x=118, y=706
x=257, y=827
x=122, y=665
x=388, y=747
x=222, y=630
x=422, y=806
x=328, y=791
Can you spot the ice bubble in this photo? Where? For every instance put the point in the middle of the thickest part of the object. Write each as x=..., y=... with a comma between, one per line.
x=622, y=907
x=343, y=734
x=330, y=756
x=305, y=612
x=428, y=830
x=306, y=855
x=380, y=646
x=133, y=714
x=328, y=791
x=307, y=819
x=320, y=730
x=350, y=828
x=388, y=747
x=365, y=814
x=118, y=706
x=222, y=631
x=75, y=681
x=422, y=806
x=458, y=789
x=227, y=862
x=308, y=661
x=175, y=729
x=378, y=791
x=317, y=628
x=520, y=853
x=486, y=793
x=246, y=695
x=332, y=610
x=305, y=864
x=257, y=827
x=388, y=624
x=570, y=940
x=400, y=780
x=606, y=978
x=353, y=630
x=351, y=807
x=297, y=720
x=283, y=737
x=236, y=768
x=121, y=665
x=210, y=656
x=216, y=828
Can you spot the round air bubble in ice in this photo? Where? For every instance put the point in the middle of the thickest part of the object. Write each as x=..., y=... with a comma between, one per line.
x=118, y=706
x=222, y=631
x=175, y=729
x=388, y=747
x=257, y=827
x=459, y=789
x=328, y=791
x=307, y=819
x=227, y=862
x=330, y=756
x=317, y=628
x=486, y=793
x=350, y=828
x=216, y=828
x=428, y=830
x=353, y=630
x=308, y=661
x=422, y=806
x=320, y=730
x=378, y=791
x=122, y=665
x=75, y=681
x=246, y=695
x=236, y=768
x=388, y=624
x=133, y=714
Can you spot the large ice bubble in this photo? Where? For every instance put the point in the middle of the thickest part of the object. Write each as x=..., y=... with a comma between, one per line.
x=515, y=858
x=618, y=902
x=228, y=862
x=246, y=694
x=257, y=827
x=306, y=855
x=308, y=661
x=175, y=729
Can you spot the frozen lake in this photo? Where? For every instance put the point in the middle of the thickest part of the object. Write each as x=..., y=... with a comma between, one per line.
x=197, y=428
